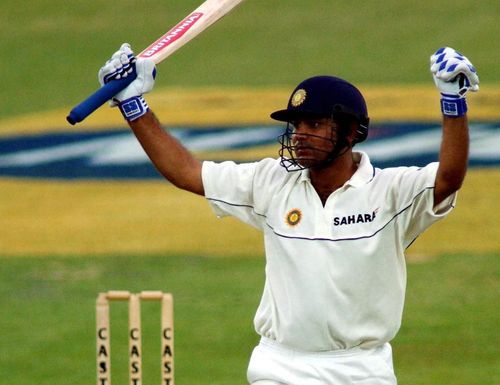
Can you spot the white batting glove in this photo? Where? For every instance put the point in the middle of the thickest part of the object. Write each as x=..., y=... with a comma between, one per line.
x=454, y=76
x=122, y=64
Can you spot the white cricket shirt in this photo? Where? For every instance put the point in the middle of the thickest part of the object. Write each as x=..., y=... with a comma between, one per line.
x=335, y=275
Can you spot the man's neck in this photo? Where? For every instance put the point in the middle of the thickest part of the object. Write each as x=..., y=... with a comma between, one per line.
x=328, y=179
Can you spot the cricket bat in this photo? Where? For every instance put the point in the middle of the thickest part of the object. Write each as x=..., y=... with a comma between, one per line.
x=200, y=19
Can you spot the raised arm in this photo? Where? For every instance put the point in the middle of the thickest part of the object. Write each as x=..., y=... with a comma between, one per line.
x=454, y=76
x=453, y=158
x=167, y=154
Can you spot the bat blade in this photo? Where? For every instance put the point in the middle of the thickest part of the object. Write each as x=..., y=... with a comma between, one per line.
x=195, y=23
x=200, y=19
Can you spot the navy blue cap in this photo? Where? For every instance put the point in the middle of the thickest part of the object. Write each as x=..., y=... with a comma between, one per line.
x=325, y=97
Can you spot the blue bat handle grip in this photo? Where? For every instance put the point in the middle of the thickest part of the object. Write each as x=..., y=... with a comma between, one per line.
x=98, y=98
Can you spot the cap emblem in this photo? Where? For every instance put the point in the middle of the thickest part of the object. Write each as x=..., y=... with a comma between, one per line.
x=298, y=97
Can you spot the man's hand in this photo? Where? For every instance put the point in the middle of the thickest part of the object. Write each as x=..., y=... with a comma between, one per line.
x=454, y=75
x=122, y=64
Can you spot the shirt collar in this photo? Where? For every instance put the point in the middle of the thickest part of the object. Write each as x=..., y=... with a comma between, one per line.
x=363, y=174
x=365, y=171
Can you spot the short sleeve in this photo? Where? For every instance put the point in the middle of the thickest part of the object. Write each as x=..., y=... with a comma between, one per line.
x=414, y=189
x=240, y=190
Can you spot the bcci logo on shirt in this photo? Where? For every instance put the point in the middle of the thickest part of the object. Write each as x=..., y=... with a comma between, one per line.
x=293, y=217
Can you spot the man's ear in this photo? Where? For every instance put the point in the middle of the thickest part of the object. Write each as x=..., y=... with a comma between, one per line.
x=352, y=132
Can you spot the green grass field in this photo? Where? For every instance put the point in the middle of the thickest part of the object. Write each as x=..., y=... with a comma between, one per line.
x=51, y=51
x=449, y=334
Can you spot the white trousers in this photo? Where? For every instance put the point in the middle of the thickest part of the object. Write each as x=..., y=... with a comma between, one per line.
x=274, y=364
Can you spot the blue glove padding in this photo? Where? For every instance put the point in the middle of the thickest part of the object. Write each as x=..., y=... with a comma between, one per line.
x=122, y=64
x=454, y=75
x=119, y=66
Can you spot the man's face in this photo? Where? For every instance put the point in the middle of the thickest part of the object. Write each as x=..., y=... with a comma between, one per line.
x=313, y=140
